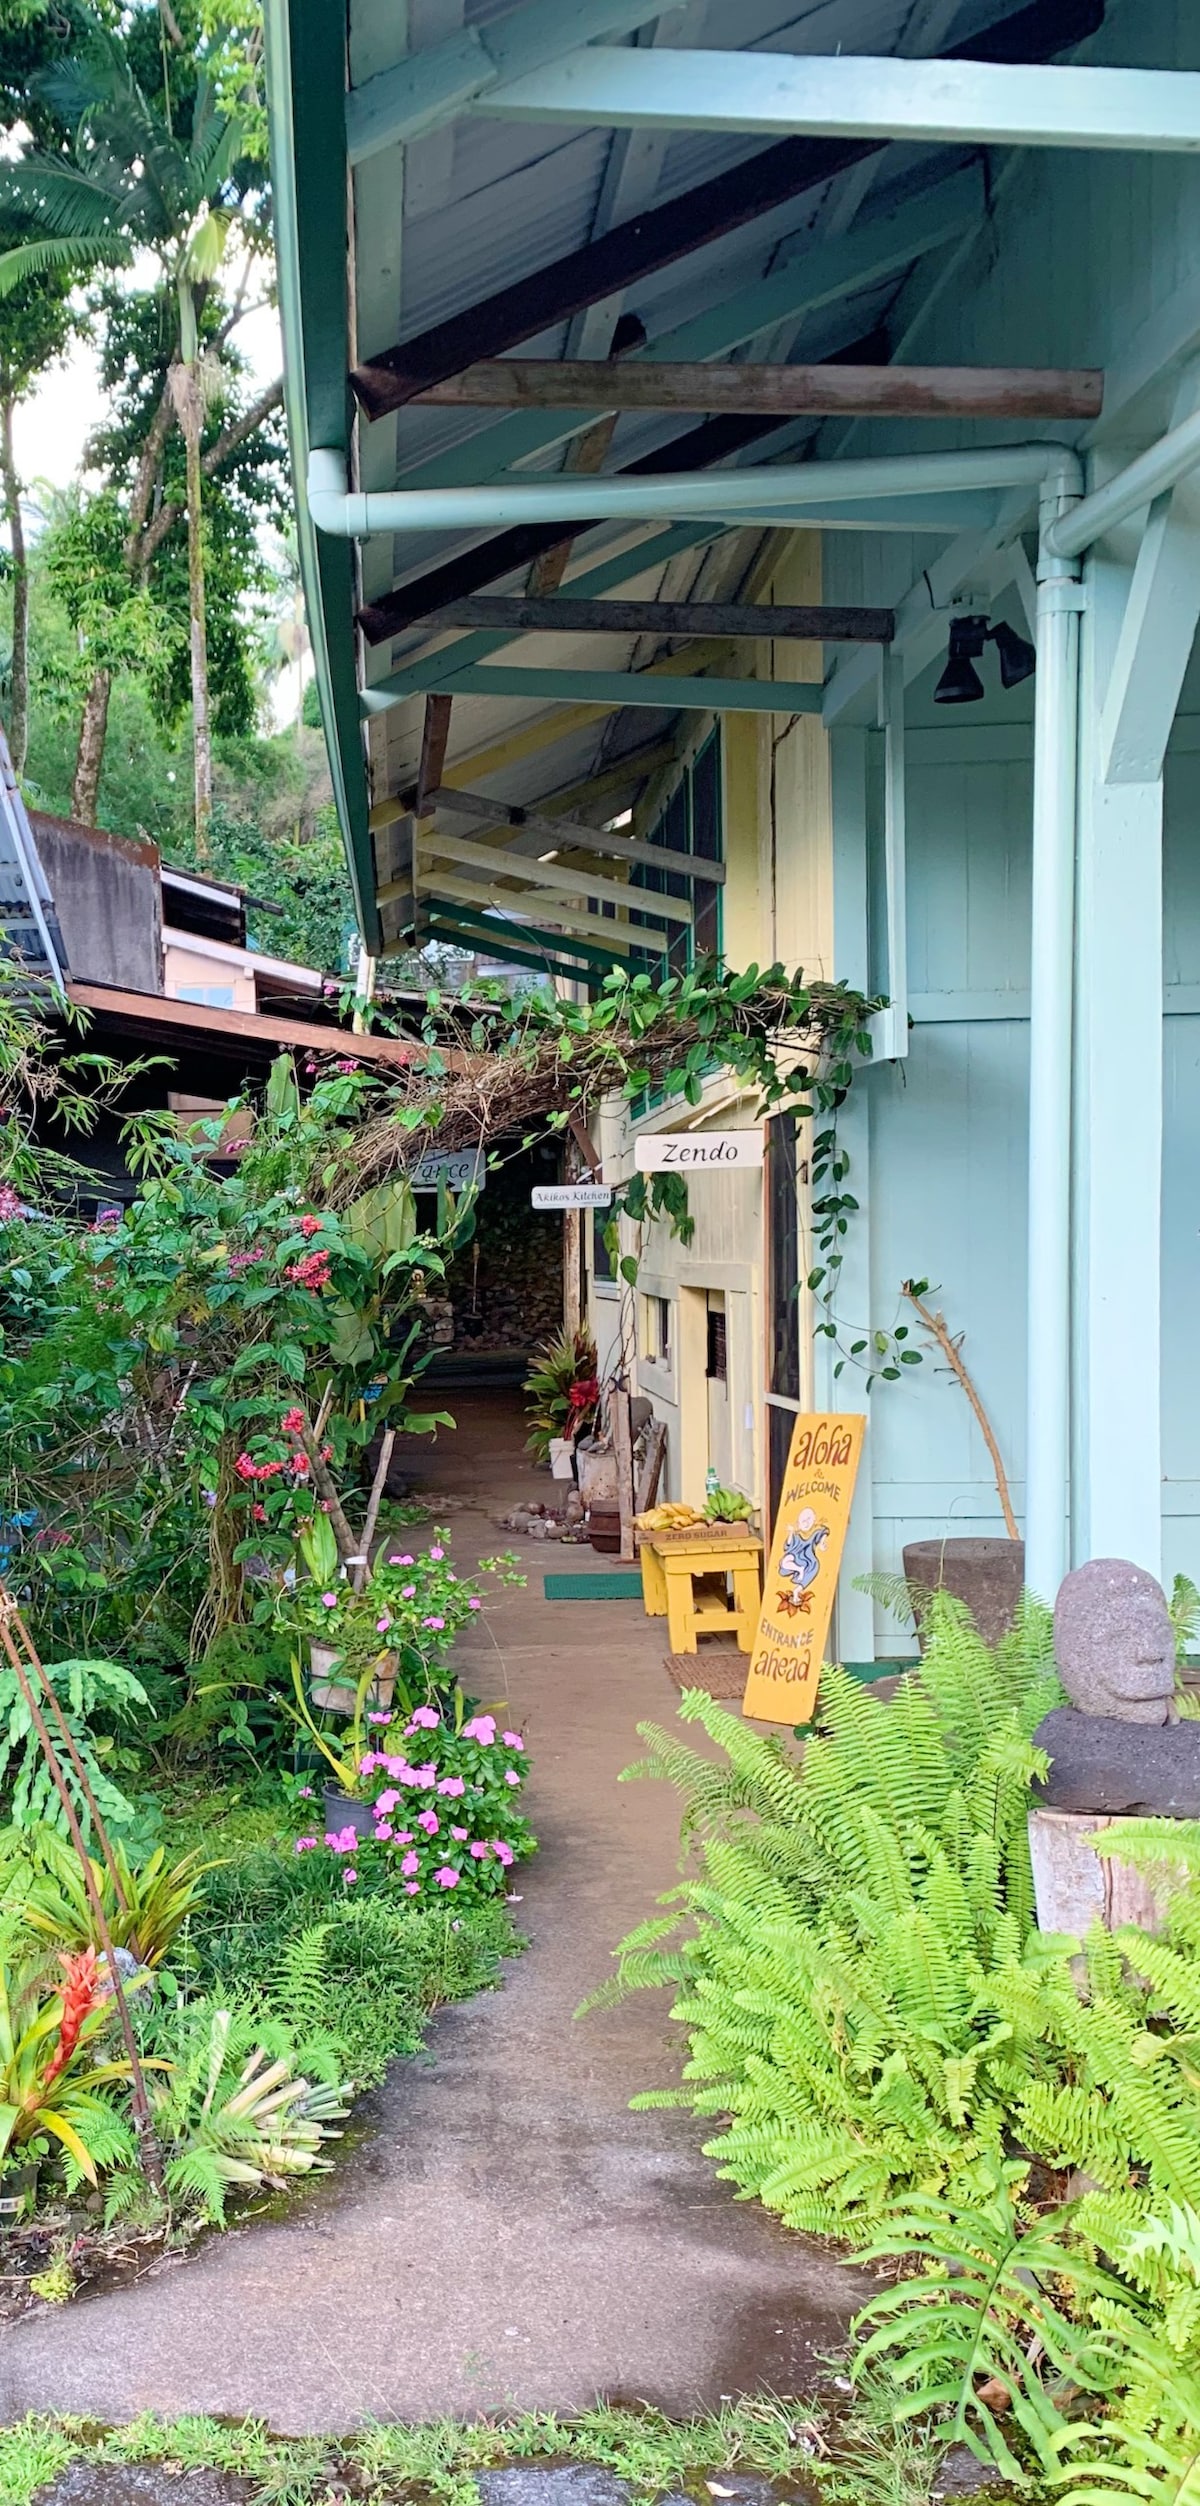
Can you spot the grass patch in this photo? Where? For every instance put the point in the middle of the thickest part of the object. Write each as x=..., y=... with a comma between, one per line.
x=435, y=2461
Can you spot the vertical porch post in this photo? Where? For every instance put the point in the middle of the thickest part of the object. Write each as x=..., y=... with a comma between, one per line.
x=1055, y=765
x=1118, y=1102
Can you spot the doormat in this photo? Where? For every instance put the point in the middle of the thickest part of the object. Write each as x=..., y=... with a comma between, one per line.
x=721, y=1669
x=615, y=1584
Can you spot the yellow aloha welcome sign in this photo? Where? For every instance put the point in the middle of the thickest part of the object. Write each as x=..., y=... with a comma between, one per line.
x=806, y=1554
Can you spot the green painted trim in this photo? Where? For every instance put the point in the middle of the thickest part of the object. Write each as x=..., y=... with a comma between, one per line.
x=306, y=79
x=619, y=1584
x=660, y=689
x=556, y=943
x=509, y=953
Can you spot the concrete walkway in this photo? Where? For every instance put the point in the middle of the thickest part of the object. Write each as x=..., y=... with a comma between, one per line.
x=506, y=2234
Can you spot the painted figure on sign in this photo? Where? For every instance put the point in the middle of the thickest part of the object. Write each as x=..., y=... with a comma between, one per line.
x=800, y=1562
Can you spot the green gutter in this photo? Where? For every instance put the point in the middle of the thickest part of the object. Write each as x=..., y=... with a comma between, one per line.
x=306, y=85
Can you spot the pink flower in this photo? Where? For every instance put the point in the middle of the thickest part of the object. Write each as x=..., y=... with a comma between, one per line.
x=453, y=1787
x=329, y=1600
x=382, y=1625
x=503, y=1853
x=482, y=1727
x=306, y=1793
x=412, y=1888
x=310, y=1226
x=435, y=1552
x=293, y=1422
x=387, y=1801
x=383, y=1833
x=385, y=1717
x=433, y=1622
x=400, y=1768
x=341, y=1840
x=407, y=1591
x=425, y=1776
x=511, y=1776
x=474, y=1605
x=428, y=1819
x=513, y=1740
x=405, y=1561
x=446, y=1878
x=479, y=1853
x=410, y=1864
x=304, y=1844
x=349, y=1878
x=369, y=1761
x=424, y=1720
x=460, y=1834
x=404, y=1836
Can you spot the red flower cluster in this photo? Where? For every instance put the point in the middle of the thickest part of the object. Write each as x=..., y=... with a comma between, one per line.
x=80, y=1989
x=311, y=1271
x=244, y=1261
x=293, y=1422
x=10, y=1203
x=311, y=1226
x=584, y=1393
x=247, y=1468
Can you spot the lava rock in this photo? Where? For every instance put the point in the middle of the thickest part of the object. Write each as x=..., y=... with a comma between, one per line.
x=1123, y=1770
x=89, y=2483
x=566, y=2484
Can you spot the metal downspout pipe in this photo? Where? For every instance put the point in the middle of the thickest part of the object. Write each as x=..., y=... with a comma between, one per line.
x=1051, y=987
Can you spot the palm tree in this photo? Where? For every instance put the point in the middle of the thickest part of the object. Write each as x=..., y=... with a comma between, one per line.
x=135, y=185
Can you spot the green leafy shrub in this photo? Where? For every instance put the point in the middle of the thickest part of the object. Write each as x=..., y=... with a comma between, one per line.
x=233, y=2110
x=358, y=1974
x=46, y=1886
x=860, y=1972
x=84, y=1690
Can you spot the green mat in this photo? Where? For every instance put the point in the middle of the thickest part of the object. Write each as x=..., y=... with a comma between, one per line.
x=622, y=1583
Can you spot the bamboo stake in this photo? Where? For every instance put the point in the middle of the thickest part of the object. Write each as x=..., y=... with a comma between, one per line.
x=362, y=1570
x=936, y=1326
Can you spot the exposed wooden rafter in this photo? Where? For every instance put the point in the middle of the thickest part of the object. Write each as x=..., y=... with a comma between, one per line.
x=783, y=391
x=615, y=261
x=535, y=875
x=561, y=615
x=534, y=833
x=638, y=246
x=435, y=736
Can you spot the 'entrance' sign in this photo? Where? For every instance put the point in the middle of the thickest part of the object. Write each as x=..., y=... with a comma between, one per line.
x=806, y=1553
x=694, y=1152
x=571, y=1196
x=458, y=1169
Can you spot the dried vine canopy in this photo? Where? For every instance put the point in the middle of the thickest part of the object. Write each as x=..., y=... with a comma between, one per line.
x=496, y=1068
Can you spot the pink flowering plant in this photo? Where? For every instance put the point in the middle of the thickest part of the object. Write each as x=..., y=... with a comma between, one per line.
x=445, y=1788
x=391, y=1641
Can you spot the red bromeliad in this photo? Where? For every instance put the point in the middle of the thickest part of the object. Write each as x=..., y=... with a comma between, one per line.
x=80, y=1993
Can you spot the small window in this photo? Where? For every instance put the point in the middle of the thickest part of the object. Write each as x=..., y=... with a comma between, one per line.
x=207, y=995
x=716, y=1367
x=656, y=1330
x=603, y=1267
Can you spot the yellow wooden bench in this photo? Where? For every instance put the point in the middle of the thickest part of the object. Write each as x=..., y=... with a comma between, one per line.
x=674, y=1563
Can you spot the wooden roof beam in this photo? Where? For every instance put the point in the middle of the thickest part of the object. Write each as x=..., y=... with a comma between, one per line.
x=560, y=615
x=783, y=391
x=536, y=875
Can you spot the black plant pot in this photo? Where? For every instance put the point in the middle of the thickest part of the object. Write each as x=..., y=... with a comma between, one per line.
x=341, y=1811
x=989, y=1575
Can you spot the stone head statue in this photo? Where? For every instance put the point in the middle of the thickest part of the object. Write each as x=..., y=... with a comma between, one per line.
x=1114, y=1642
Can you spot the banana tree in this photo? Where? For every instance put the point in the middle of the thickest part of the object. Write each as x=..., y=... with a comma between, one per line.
x=141, y=178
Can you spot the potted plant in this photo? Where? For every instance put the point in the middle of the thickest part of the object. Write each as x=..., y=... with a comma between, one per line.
x=382, y=1647
x=562, y=1391
x=437, y=1807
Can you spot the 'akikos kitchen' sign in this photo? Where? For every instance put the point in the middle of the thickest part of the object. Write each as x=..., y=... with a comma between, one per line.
x=697, y=1152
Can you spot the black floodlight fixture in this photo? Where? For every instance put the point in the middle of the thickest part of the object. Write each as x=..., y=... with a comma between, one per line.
x=1018, y=657
x=960, y=683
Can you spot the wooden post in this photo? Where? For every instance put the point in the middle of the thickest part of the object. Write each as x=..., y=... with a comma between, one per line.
x=623, y=1449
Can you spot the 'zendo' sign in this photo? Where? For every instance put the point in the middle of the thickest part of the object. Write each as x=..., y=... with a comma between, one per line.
x=695, y=1152
x=806, y=1553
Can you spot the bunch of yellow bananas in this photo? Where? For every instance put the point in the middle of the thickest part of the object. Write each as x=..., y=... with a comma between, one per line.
x=668, y=1518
